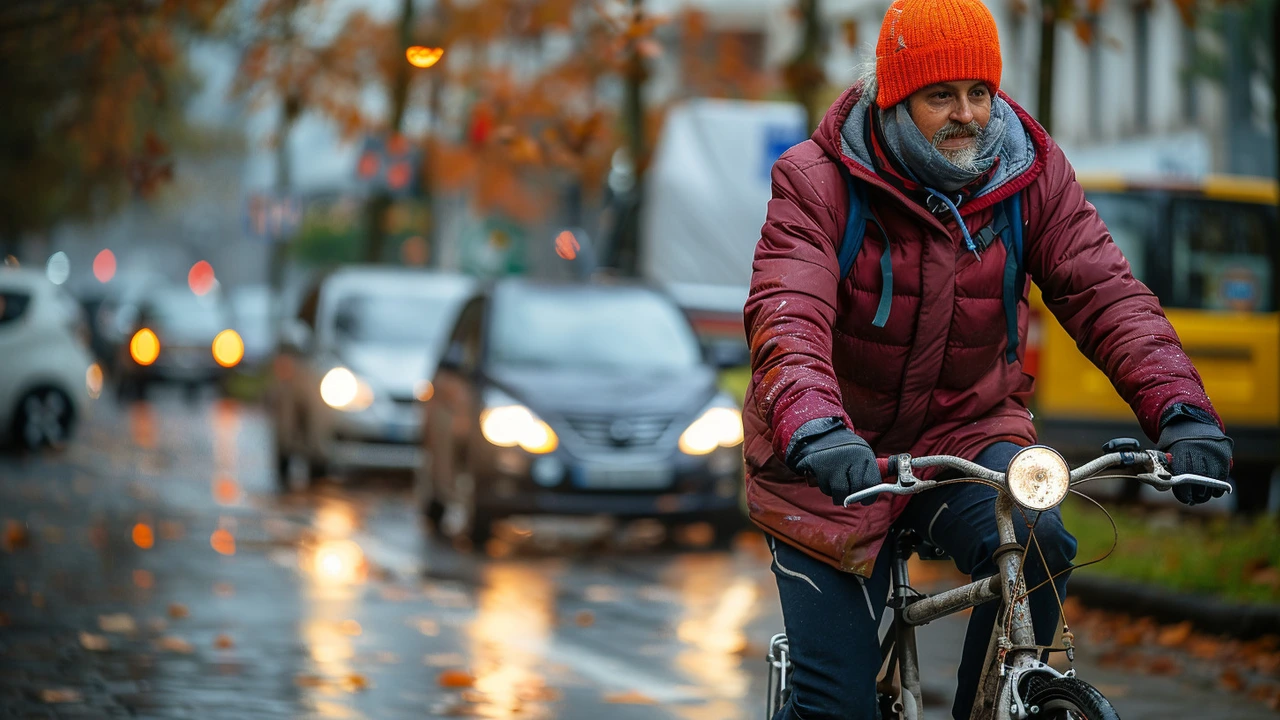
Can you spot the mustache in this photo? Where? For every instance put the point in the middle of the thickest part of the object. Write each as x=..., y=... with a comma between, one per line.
x=956, y=130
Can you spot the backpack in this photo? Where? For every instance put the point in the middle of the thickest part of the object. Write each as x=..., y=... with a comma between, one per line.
x=1010, y=233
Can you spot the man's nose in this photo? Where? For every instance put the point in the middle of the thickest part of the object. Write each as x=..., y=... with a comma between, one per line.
x=963, y=112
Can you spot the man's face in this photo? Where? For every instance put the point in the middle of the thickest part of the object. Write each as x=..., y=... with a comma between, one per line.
x=952, y=115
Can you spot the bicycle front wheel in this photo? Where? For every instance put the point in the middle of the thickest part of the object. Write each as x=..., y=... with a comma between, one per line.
x=1066, y=698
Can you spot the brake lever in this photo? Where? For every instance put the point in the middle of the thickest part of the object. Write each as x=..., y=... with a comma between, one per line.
x=897, y=488
x=1165, y=481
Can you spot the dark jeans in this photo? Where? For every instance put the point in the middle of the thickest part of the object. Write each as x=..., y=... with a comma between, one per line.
x=832, y=617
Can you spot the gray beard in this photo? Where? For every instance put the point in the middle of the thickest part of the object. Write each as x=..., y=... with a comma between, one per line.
x=965, y=158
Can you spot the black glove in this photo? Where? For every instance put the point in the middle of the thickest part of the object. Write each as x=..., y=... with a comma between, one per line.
x=836, y=460
x=1199, y=448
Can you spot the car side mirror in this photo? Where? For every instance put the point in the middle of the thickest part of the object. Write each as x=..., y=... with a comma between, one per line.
x=452, y=358
x=295, y=336
x=725, y=354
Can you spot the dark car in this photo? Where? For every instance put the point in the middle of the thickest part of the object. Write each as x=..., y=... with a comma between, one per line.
x=175, y=336
x=577, y=400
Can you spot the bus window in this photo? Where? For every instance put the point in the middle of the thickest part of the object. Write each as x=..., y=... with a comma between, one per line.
x=1130, y=219
x=1223, y=258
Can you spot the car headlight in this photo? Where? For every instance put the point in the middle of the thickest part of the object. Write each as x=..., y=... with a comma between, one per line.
x=342, y=390
x=716, y=427
x=511, y=425
x=1038, y=478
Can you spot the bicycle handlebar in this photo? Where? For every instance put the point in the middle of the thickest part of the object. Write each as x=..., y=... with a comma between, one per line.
x=1154, y=463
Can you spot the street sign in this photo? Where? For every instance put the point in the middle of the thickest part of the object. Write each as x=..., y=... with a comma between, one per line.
x=272, y=218
x=389, y=163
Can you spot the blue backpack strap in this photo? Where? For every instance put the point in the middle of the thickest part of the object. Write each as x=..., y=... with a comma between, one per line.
x=855, y=229
x=855, y=226
x=1008, y=225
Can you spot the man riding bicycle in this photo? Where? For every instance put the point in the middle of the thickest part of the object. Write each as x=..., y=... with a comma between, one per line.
x=888, y=314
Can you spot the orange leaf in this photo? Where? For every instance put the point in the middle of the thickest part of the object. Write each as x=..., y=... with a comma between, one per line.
x=1164, y=666
x=223, y=642
x=1174, y=635
x=585, y=618
x=97, y=643
x=850, y=28
x=1231, y=680
x=1084, y=31
x=178, y=611
x=455, y=679
x=631, y=697
x=175, y=645
x=355, y=682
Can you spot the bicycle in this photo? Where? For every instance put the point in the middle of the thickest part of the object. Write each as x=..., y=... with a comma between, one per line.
x=1015, y=684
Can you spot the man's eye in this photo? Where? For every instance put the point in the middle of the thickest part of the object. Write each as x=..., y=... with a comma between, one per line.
x=941, y=95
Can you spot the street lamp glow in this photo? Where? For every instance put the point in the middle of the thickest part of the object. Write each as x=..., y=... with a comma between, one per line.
x=58, y=269
x=423, y=57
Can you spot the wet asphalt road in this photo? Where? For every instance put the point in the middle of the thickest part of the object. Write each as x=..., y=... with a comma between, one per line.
x=152, y=570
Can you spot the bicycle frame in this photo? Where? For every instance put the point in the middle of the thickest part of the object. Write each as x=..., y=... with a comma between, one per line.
x=1018, y=648
x=1011, y=651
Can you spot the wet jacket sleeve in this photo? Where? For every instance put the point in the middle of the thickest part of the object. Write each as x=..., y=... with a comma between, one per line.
x=1115, y=320
x=791, y=307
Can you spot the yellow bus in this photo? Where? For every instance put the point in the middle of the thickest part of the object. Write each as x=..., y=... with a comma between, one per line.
x=1209, y=250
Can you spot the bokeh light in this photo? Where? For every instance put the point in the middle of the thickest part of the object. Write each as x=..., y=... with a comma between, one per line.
x=93, y=380
x=144, y=348
x=223, y=541
x=201, y=278
x=104, y=266
x=58, y=269
x=339, y=562
x=143, y=536
x=567, y=246
x=423, y=57
x=228, y=348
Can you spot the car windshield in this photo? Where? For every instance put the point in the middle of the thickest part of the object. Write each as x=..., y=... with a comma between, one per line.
x=184, y=312
x=394, y=319
x=622, y=328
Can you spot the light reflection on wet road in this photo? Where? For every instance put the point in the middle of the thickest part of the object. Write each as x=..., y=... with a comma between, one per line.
x=237, y=602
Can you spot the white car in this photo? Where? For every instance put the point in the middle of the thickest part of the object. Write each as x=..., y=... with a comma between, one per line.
x=47, y=374
x=352, y=369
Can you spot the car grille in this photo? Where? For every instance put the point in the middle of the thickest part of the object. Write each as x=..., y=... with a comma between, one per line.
x=614, y=431
x=403, y=399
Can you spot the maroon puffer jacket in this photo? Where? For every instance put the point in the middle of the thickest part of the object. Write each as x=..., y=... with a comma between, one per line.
x=934, y=379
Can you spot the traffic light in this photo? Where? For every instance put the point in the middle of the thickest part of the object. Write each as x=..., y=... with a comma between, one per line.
x=389, y=163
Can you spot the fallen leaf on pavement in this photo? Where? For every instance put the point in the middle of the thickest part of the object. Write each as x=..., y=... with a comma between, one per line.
x=455, y=679
x=37, y=599
x=308, y=681
x=4, y=619
x=355, y=682
x=97, y=643
x=1204, y=648
x=430, y=628
x=223, y=642
x=1231, y=680
x=585, y=618
x=117, y=623
x=631, y=697
x=53, y=534
x=157, y=624
x=178, y=611
x=350, y=627
x=170, y=530
x=15, y=535
x=175, y=644
x=144, y=579
x=1174, y=635
x=60, y=695
x=395, y=593
x=224, y=589
x=443, y=659
x=1164, y=666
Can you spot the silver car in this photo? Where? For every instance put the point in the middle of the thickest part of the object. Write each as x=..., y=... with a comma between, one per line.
x=352, y=370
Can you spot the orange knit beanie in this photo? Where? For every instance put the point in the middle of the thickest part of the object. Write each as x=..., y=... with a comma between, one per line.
x=928, y=41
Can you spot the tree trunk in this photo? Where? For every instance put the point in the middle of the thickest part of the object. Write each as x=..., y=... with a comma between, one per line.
x=627, y=250
x=379, y=203
x=805, y=74
x=1048, y=43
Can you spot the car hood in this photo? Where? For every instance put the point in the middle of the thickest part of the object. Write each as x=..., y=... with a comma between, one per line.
x=392, y=368
x=573, y=390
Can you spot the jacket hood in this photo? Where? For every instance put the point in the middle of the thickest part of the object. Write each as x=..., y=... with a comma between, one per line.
x=1014, y=177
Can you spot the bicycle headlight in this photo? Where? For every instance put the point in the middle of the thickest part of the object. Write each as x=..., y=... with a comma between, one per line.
x=1038, y=478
